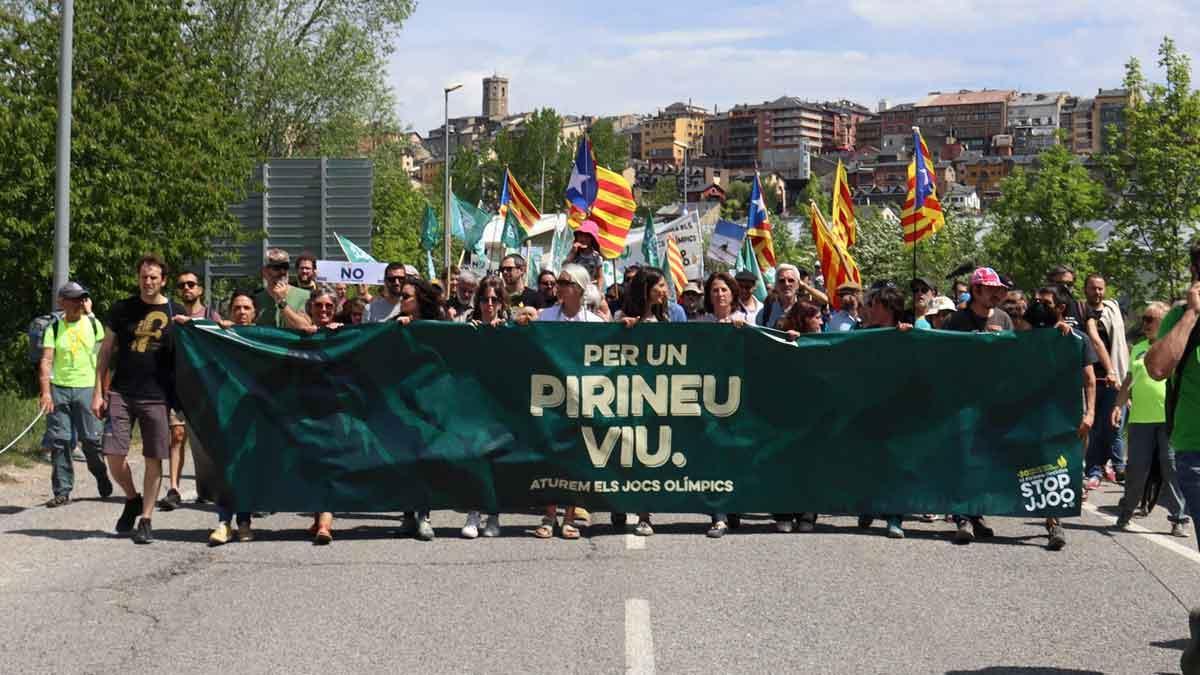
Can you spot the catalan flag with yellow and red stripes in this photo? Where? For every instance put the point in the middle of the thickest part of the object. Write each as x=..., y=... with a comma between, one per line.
x=613, y=210
x=675, y=265
x=922, y=213
x=837, y=265
x=844, y=224
x=513, y=198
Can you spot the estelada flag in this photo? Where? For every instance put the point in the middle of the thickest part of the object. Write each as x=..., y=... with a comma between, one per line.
x=922, y=213
x=613, y=210
x=758, y=227
x=512, y=198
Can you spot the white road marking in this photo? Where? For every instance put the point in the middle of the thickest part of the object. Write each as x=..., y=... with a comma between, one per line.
x=634, y=542
x=639, y=643
x=1171, y=544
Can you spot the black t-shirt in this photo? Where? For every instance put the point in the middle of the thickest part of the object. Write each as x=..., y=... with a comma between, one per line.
x=967, y=321
x=144, y=356
x=526, y=298
x=458, y=305
x=1105, y=338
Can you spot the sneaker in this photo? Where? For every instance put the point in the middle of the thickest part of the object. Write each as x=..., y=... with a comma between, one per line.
x=244, y=533
x=1092, y=483
x=1110, y=475
x=491, y=527
x=982, y=531
x=57, y=501
x=171, y=502
x=805, y=524
x=1179, y=530
x=1123, y=521
x=643, y=529
x=583, y=517
x=717, y=530
x=963, y=535
x=133, y=508
x=220, y=535
x=77, y=455
x=864, y=522
x=424, y=530
x=105, y=487
x=784, y=526
x=471, y=529
x=619, y=520
x=1057, y=538
x=894, y=531
x=143, y=534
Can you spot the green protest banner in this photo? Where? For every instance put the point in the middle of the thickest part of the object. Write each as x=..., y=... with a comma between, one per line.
x=664, y=418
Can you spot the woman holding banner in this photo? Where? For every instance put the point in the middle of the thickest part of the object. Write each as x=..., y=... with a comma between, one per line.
x=242, y=311
x=720, y=306
x=572, y=283
x=646, y=301
x=321, y=308
x=489, y=309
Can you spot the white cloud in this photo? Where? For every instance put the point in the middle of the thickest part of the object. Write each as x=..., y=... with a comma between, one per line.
x=689, y=38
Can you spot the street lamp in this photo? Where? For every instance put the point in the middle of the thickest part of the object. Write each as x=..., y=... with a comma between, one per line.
x=686, y=148
x=62, y=182
x=446, y=174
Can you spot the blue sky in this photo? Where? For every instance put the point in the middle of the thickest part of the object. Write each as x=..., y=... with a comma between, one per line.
x=640, y=56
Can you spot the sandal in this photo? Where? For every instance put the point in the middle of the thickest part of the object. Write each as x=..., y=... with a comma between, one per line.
x=546, y=529
x=569, y=531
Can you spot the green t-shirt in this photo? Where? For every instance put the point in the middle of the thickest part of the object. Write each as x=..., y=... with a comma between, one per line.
x=1148, y=396
x=269, y=314
x=74, y=351
x=1186, y=436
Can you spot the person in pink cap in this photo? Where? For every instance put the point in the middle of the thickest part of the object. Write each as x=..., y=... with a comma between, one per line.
x=981, y=313
x=585, y=251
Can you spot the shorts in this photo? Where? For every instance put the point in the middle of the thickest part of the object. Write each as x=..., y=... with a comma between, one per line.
x=151, y=418
x=176, y=419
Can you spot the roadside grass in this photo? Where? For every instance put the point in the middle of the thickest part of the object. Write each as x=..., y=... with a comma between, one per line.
x=15, y=414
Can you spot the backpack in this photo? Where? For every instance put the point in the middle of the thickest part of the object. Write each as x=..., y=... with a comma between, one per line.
x=37, y=332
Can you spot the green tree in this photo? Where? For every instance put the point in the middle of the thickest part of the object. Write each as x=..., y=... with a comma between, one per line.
x=610, y=148
x=1040, y=216
x=536, y=146
x=398, y=211
x=306, y=72
x=159, y=150
x=665, y=191
x=737, y=201
x=1153, y=168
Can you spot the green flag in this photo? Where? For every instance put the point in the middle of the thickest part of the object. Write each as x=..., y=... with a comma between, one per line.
x=352, y=251
x=560, y=246
x=432, y=274
x=748, y=261
x=431, y=230
x=650, y=244
x=511, y=236
x=468, y=223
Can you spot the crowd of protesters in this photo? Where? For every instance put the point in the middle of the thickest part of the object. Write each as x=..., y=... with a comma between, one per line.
x=119, y=370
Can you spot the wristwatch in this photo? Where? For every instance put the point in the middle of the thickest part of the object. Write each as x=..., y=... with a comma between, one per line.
x=281, y=304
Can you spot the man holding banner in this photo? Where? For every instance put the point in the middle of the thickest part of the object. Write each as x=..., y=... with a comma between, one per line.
x=279, y=303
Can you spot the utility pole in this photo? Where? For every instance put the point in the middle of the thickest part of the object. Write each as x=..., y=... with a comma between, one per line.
x=62, y=183
x=446, y=215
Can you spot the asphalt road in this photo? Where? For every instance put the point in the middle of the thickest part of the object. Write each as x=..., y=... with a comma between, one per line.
x=74, y=598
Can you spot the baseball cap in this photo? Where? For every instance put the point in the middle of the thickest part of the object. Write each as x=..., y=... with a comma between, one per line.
x=411, y=271
x=919, y=282
x=986, y=276
x=277, y=256
x=72, y=291
x=940, y=304
x=692, y=287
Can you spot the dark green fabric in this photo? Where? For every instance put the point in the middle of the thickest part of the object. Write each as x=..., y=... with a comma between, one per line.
x=386, y=417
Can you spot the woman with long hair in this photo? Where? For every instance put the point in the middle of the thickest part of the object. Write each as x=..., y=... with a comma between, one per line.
x=321, y=306
x=489, y=309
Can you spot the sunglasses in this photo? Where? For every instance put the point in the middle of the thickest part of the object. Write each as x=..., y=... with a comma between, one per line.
x=407, y=296
x=509, y=268
x=393, y=280
x=323, y=306
x=279, y=267
x=490, y=300
x=1149, y=319
x=186, y=284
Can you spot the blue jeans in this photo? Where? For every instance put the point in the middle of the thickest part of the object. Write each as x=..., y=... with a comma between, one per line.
x=1187, y=470
x=225, y=515
x=1104, y=442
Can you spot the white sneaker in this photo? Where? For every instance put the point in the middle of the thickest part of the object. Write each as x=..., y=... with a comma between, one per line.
x=643, y=529
x=471, y=529
x=491, y=527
